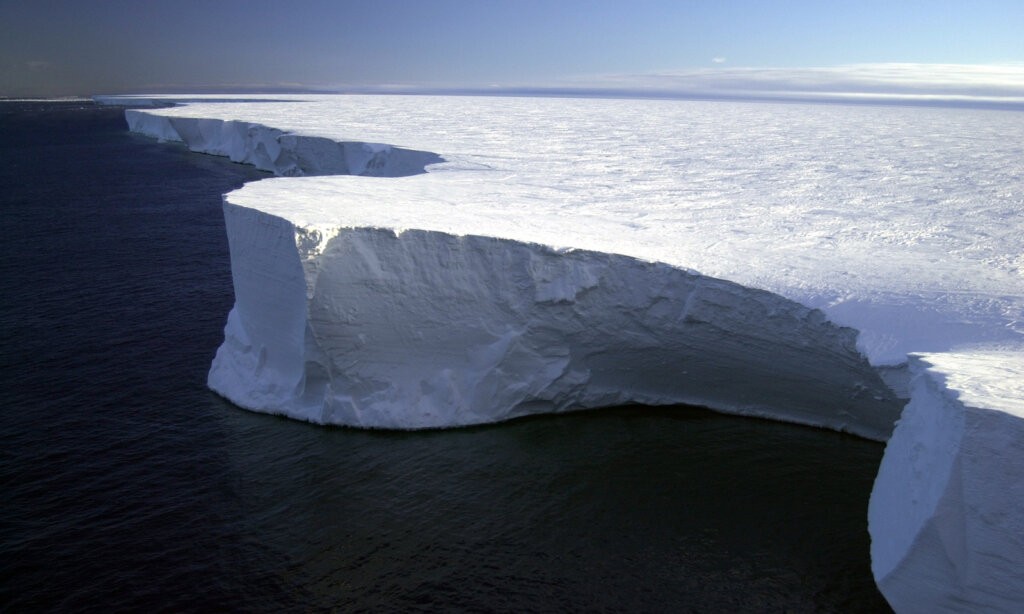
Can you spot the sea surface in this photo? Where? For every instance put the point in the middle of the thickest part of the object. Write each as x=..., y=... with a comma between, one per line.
x=127, y=486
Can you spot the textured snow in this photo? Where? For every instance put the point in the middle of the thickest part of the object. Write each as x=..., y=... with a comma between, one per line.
x=901, y=222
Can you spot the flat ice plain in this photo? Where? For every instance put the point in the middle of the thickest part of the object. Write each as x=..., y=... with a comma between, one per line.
x=622, y=220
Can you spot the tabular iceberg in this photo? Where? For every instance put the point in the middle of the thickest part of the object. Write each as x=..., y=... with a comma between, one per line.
x=543, y=263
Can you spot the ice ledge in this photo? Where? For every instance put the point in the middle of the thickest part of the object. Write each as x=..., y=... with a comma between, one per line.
x=279, y=152
x=371, y=327
x=945, y=514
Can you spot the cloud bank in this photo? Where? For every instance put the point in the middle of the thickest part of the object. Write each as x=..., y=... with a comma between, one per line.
x=983, y=85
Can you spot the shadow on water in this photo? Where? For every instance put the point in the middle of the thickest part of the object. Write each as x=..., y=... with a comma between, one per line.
x=633, y=508
x=129, y=486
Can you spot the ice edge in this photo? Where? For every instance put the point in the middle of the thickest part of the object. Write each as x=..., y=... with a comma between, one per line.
x=282, y=153
x=734, y=369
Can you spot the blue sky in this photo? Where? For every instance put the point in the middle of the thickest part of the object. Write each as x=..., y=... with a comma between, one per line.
x=55, y=47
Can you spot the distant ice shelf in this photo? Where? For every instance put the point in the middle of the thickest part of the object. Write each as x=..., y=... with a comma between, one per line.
x=281, y=153
x=537, y=255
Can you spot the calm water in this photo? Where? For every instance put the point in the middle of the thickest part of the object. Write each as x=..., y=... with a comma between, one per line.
x=127, y=486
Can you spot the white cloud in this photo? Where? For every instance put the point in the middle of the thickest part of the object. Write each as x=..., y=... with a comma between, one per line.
x=998, y=85
x=718, y=60
x=955, y=82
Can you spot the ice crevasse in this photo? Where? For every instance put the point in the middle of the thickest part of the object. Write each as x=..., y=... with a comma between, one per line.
x=399, y=303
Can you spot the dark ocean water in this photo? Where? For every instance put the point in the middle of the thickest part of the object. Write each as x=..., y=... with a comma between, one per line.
x=128, y=486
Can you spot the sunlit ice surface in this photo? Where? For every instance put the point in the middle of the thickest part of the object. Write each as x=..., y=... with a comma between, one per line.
x=902, y=222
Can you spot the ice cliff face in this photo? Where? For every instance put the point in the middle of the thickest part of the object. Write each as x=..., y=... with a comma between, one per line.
x=281, y=153
x=947, y=532
x=374, y=328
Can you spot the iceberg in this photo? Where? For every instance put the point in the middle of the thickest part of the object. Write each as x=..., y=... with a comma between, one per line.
x=442, y=261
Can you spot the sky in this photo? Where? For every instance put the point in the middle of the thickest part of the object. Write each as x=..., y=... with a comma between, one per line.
x=741, y=47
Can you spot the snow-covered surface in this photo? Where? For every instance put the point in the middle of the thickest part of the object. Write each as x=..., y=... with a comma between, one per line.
x=947, y=532
x=904, y=223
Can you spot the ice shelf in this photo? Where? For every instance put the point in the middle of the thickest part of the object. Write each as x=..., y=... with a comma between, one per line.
x=537, y=255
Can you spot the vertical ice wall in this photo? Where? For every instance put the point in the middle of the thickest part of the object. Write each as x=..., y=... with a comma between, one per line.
x=413, y=329
x=947, y=511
